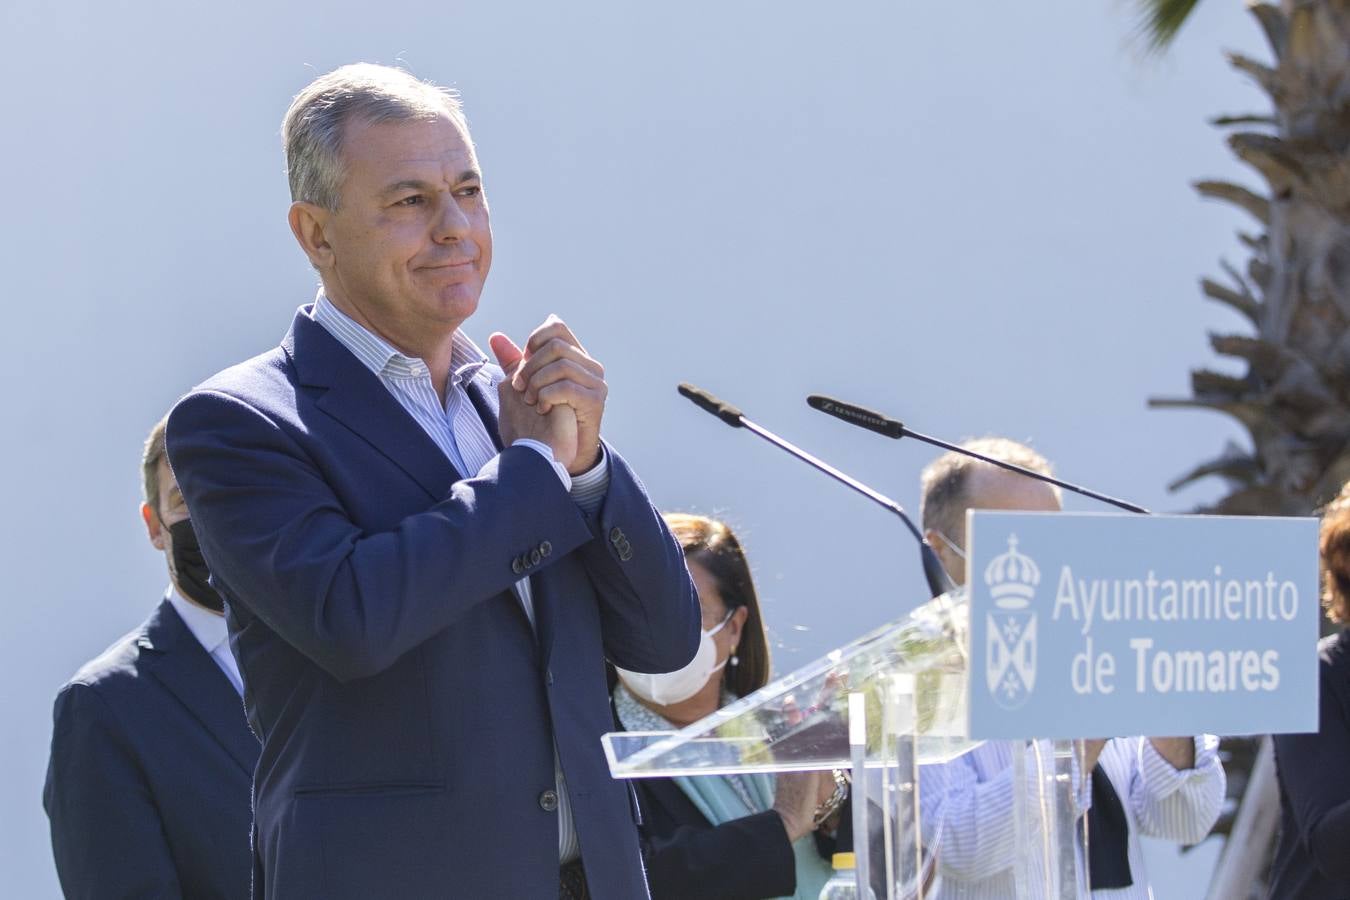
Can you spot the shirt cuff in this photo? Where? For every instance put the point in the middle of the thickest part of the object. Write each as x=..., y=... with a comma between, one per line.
x=1161, y=779
x=546, y=452
x=590, y=487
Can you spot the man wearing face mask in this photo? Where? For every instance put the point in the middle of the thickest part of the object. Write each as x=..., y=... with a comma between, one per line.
x=151, y=760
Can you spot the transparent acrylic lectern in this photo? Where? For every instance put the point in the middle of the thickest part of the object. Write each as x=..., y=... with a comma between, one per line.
x=882, y=705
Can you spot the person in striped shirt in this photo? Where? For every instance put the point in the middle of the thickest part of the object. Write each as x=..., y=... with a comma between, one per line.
x=1168, y=788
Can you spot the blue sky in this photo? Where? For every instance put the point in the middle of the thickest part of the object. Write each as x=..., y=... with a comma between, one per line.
x=975, y=218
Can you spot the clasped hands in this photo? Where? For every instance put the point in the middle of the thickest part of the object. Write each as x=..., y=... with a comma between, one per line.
x=554, y=393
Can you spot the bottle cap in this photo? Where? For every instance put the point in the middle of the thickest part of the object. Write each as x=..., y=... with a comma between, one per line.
x=844, y=861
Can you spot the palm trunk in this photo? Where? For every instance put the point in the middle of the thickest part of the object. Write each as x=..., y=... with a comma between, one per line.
x=1294, y=397
x=1247, y=852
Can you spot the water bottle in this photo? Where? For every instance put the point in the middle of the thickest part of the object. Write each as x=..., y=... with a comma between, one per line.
x=843, y=884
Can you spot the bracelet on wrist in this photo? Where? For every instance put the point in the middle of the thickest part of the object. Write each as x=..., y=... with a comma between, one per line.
x=835, y=800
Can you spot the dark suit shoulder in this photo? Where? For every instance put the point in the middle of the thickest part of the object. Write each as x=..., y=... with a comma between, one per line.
x=116, y=668
x=252, y=379
x=257, y=395
x=1333, y=653
x=111, y=681
x=119, y=671
x=1334, y=650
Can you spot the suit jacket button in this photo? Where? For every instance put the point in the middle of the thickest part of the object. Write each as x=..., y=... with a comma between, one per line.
x=545, y=548
x=535, y=557
x=616, y=535
x=517, y=566
x=548, y=801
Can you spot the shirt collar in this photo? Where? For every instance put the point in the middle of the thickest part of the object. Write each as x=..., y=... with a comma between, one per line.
x=207, y=627
x=383, y=358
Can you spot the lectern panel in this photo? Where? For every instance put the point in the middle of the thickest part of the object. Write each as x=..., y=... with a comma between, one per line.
x=800, y=721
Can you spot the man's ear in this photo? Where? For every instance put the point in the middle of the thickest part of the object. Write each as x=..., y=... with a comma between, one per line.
x=152, y=526
x=309, y=223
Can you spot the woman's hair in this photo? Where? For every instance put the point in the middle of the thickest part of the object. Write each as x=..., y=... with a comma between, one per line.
x=1334, y=552
x=714, y=546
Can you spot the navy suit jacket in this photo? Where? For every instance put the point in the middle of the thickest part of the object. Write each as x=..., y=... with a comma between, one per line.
x=1312, y=861
x=407, y=710
x=148, y=783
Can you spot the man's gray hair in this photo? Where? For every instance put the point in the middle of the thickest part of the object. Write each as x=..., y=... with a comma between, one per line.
x=945, y=482
x=316, y=122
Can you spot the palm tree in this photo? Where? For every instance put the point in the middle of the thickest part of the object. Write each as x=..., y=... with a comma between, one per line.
x=1293, y=399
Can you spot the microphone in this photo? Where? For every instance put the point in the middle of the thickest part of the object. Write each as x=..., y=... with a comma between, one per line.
x=874, y=421
x=939, y=582
x=704, y=400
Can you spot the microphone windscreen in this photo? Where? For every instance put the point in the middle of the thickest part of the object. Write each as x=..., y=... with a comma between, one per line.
x=863, y=418
x=706, y=401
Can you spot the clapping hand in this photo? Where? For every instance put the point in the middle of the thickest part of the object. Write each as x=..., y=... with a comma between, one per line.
x=554, y=392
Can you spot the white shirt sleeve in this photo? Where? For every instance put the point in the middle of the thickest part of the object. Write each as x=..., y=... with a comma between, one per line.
x=969, y=822
x=1177, y=804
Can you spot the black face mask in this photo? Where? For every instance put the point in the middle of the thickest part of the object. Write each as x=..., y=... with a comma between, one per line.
x=189, y=567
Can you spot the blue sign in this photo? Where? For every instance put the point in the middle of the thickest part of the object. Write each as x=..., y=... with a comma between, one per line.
x=1098, y=625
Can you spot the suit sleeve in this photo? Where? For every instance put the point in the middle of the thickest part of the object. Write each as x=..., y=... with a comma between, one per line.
x=279, y=542
x=1311, y=768
x=743, y=859
x=650, y=615
x=107, y=836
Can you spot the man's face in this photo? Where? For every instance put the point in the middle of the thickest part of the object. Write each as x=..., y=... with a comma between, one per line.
x=171, y=509
x=191, y=584
x=410, y=241
x=991, y=488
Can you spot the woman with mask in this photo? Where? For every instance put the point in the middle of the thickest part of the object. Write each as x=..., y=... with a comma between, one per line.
x=724, y=837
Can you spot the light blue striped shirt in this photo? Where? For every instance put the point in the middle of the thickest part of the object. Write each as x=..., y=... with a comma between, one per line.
x=970, y=801
x=462, y=436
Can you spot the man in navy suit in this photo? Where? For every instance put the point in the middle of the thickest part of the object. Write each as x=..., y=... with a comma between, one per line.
x=148, y=783
x=427, y=559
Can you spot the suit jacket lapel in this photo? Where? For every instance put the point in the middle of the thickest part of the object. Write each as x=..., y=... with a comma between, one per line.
x=486, y=405
x=355, y=397
x=179, y=662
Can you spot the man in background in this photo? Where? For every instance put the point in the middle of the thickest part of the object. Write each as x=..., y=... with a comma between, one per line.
x=148, y=782
x=1168, y=788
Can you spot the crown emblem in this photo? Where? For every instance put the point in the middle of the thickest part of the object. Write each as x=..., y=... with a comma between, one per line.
x=1012, y=578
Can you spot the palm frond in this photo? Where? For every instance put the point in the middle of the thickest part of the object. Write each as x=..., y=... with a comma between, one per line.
x=1160, y=20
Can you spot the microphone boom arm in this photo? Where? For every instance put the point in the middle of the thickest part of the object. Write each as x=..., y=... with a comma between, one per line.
x=873, y=421
x=939, y=582
x=847, y=480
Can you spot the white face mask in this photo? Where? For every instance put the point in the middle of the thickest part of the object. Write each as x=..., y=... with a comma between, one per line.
x=666, y=688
